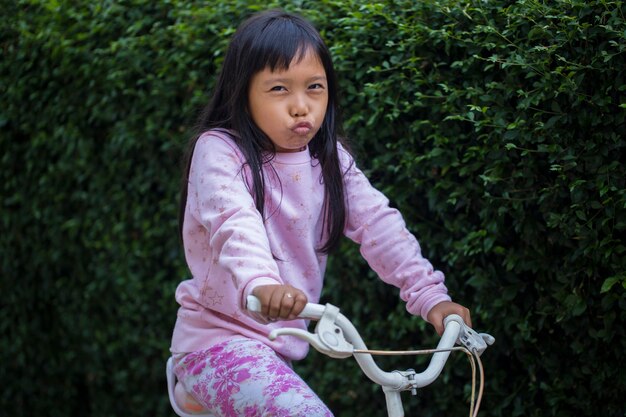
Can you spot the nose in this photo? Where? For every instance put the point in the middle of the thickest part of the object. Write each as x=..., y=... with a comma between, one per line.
x=299, y=106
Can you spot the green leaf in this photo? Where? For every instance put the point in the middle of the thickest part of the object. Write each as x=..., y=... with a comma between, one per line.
x=612, y=281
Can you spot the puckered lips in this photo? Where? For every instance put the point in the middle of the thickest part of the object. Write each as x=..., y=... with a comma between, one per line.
x=302, y=128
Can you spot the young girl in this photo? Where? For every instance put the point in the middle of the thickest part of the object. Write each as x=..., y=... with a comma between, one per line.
x=270, y=190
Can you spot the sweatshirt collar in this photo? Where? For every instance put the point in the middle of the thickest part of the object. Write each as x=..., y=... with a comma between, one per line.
x=293, y=158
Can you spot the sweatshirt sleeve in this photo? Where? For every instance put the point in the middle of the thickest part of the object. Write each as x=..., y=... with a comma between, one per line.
x=387, y=245
x=220, y=202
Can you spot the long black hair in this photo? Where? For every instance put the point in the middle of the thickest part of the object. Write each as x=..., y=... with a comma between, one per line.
x=273, y=39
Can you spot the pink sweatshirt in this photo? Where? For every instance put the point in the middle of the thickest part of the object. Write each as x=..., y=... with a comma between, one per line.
x=230, y=249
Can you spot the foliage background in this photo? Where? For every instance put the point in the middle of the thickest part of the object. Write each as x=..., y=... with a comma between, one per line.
x=496, y=127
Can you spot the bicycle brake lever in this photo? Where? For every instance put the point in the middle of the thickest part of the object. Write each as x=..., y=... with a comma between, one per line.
x=473, y=341
x=328, y=337
x=313, y=339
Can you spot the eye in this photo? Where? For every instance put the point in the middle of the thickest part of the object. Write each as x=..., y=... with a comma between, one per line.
x=278, y=88
x=316, y=86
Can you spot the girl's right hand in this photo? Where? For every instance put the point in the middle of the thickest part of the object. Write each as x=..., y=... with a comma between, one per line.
x=280, y=301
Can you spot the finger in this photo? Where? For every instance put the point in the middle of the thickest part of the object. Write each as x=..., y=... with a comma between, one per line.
x=438, y=323
x=274, y=304
x=264, y=294
x=439, y=327
x=298, y=306
x=467, y=318
x=286, y=304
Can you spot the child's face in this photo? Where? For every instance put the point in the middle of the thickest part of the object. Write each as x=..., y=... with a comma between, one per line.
x=289, y=106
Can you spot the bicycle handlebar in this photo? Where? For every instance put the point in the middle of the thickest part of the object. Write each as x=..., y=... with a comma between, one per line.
x=337, y=337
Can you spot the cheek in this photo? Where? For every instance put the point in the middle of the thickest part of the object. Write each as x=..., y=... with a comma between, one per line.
x=255, y=103
x=262, y=116
x=255, y=110
x=324, y=107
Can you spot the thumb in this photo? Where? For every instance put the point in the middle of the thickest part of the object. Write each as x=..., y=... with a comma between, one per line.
x=436, y=319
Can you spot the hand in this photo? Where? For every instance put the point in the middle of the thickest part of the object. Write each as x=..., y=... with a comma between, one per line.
x=280, y=301
x=444, y=309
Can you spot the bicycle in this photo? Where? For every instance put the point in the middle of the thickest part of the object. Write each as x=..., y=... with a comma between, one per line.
x=336, y=336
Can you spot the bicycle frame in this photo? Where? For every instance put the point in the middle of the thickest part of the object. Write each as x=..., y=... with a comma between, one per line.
x=337, y=337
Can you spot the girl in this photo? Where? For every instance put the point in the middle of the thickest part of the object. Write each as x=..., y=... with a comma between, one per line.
x=270, y=189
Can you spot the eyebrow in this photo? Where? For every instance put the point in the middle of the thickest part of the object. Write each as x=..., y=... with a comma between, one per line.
x=287, y=80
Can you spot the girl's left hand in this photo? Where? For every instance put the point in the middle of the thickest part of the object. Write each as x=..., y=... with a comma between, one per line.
x=444, y=309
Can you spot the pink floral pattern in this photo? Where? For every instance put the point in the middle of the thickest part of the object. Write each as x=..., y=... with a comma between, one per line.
x=246, y=378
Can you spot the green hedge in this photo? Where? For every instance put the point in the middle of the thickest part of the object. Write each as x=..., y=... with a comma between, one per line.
x=497, y=128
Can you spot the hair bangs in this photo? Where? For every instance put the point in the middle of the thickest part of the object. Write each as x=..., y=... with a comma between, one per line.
x=279, y=43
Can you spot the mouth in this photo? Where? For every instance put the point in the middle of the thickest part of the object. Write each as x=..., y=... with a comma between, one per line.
x=302, y=128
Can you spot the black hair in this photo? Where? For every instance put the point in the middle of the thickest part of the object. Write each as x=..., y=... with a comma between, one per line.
x=273, y=39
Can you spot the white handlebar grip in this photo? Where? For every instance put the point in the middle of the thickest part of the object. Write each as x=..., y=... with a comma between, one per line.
x=253, y=304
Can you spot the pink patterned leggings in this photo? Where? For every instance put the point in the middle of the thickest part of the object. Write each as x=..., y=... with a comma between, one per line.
x=245, y=378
